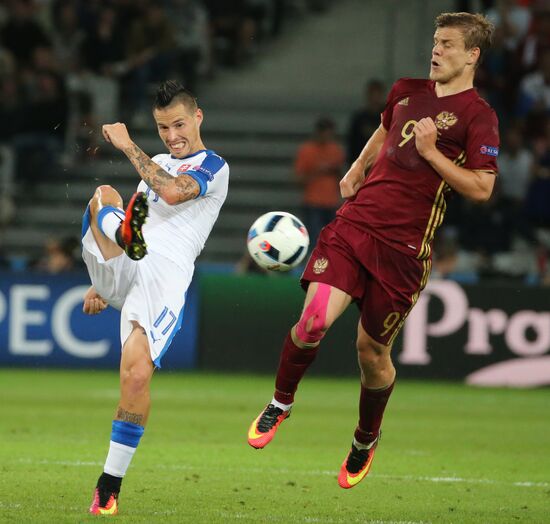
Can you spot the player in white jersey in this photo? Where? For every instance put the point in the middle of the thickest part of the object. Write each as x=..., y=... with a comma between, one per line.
x=144, y=269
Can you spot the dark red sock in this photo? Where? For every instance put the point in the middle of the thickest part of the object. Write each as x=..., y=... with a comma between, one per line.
x=292, y=366
x=372, y=404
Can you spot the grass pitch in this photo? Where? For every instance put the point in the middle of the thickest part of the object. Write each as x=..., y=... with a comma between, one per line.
x=449, y=453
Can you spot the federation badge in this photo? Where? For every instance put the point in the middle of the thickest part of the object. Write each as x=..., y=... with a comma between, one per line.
x=183, y=168
x=445, y=119
x=320, y=266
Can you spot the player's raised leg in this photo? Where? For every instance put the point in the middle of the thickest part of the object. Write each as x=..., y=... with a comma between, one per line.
x=323, y=305
x=136, y=370
x=377, y=380
x=115, y=229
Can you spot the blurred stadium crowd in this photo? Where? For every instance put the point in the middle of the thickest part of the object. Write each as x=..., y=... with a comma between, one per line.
x=65, y=66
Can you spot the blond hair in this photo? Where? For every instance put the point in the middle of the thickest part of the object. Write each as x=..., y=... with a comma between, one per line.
x=476, y=29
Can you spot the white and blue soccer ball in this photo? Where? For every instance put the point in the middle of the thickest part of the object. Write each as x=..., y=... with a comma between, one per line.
x=278, y=241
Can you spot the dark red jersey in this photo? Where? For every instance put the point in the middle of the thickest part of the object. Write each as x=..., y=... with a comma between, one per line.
x=402, y=201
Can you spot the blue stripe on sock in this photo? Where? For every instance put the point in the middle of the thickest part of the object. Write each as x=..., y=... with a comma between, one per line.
x=126, y=433
x=103, y=211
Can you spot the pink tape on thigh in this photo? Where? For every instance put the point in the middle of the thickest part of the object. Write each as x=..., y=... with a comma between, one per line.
x=316, y=310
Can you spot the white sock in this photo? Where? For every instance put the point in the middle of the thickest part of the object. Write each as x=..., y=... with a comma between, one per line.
x=360, y=445
x=277, y=404
x=118, y=459
x=108, y=220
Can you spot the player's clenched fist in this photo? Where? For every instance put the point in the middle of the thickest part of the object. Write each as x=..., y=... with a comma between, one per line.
x=425, y=133
x=93, y=302
x=117, y=134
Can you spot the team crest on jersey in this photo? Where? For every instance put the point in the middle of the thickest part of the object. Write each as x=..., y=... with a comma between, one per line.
x=183, y=168
x=404, y=102
x=320, y=266
x=445, y=119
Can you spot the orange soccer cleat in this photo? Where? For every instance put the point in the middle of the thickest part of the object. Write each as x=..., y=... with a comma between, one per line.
x=357, y=465
x=264, y=427
x=130, y=230
x=104, y=503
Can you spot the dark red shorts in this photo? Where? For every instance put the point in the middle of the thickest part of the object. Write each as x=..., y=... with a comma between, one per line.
x=384, y=283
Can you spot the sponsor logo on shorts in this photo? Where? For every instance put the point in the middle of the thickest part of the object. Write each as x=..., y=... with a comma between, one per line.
x=445, y=119
x=320, y=266
x=489, y=150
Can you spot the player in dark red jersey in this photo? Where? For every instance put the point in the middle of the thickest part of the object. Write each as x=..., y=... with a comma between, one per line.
x=435, y=136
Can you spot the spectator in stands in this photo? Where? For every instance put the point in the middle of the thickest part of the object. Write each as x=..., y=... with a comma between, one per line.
x=151, y=43
x=512, y=19
x=22, y=33
x=499, y=78
x=42, y=123
x=319, y=165
x=366, y=120
x=104, y=63
x=451, y=261
x=538, y=38
x=487, y=229
x=104, y=47
x=233, y=29
x=515, y=167
x=59, y=255
x=537, y=207
x=534, y=101
x=537, y=203
x=67, y=36
x=193, y=52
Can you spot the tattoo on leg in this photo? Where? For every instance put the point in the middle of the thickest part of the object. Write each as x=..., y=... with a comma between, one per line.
x=126, y=416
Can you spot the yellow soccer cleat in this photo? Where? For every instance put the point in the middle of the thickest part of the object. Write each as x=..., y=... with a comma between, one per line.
x=104, y=503
x=356, y=466
x=263, y=428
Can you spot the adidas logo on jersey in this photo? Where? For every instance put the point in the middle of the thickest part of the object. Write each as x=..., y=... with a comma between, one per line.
x=404, y=102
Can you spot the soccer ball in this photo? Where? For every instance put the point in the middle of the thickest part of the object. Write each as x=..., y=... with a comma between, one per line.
x=278, y=241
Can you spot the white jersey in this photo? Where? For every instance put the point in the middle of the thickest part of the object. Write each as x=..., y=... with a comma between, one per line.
x=179, y=232
x=152, y=291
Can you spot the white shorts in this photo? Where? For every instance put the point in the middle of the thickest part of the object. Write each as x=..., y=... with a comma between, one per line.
x=150, y=291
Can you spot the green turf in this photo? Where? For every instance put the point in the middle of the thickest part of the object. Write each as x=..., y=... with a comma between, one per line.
x=449, y=453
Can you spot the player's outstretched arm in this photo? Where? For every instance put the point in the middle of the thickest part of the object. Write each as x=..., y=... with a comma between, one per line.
x=472, y=184
x=354, y=178
x=93, y=302
x=173, y=190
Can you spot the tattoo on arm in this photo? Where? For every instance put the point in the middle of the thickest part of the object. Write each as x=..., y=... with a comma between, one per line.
x=126, y=416
x=153, y=175
x=187, y=188
x=184, y=186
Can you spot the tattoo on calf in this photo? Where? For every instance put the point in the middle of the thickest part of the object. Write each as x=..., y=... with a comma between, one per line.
x=126, y=416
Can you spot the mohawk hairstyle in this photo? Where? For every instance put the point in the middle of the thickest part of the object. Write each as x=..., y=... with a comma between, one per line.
x=172, y=91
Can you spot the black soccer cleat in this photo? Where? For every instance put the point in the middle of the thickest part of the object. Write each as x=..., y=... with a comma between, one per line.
x=131, y=234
